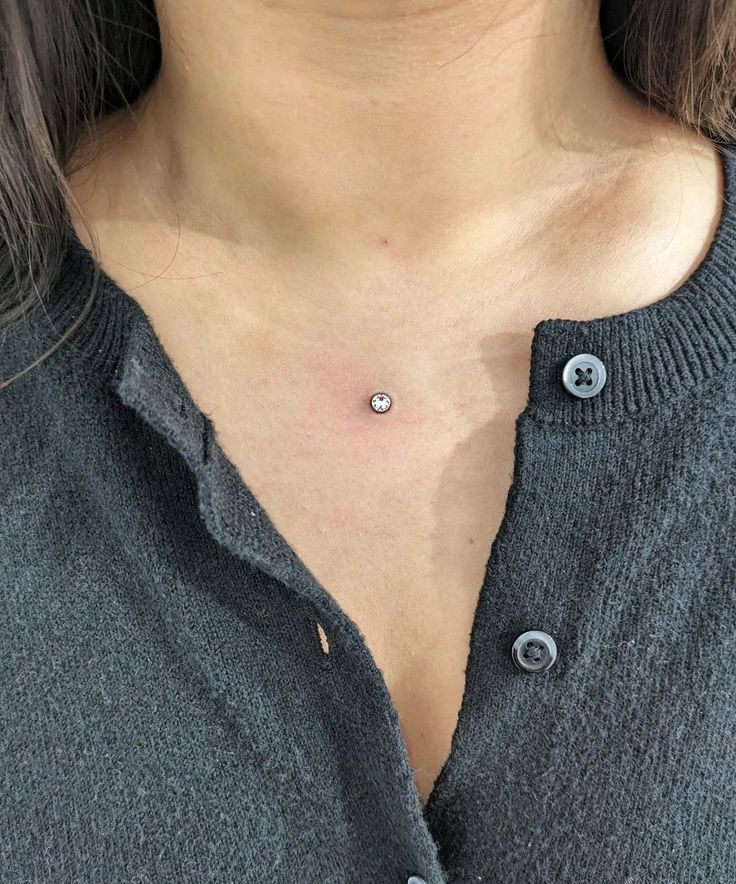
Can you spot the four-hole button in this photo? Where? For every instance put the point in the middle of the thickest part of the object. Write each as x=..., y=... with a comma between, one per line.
x=534, y=651
x=584, y=375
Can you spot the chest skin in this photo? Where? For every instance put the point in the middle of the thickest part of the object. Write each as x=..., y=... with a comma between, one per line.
x=397, y=526
x=394, y=514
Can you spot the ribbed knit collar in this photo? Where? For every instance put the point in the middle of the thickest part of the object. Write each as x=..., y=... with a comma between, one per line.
x=651, y=354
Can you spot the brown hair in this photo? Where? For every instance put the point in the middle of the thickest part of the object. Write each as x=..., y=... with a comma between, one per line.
x=63, y=66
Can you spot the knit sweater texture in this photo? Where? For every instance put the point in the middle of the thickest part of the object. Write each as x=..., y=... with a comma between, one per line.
x=168, y=714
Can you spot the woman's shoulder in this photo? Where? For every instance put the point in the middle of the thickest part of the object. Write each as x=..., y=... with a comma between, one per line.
x=55, y=418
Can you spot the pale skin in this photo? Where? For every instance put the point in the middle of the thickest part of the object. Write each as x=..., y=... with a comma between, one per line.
x=321, y=199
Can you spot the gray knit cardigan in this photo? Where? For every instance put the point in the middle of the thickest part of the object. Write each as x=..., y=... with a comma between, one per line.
x=167, y=713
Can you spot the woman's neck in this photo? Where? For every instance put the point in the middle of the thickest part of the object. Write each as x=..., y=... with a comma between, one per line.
x=350, y=159
x=339, y=124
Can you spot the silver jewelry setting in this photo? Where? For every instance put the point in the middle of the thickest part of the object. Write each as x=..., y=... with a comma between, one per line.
x=380, y=402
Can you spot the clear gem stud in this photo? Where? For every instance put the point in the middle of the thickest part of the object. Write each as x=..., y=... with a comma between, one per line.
x=381, y=402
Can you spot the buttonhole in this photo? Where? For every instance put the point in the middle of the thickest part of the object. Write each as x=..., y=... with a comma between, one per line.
x=325, y=645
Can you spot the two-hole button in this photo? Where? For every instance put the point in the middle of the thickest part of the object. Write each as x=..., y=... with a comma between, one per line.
x=584, y=375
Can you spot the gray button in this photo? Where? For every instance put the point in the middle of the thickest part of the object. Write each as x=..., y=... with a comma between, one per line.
x=415, y=879
x=584, y=375
x=534, y=651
